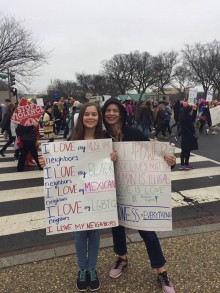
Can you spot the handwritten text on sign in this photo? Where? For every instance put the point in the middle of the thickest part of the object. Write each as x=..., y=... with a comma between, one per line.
x=143, y=185
x=79, y=186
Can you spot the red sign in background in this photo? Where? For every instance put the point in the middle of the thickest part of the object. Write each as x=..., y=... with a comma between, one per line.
x=27, y=113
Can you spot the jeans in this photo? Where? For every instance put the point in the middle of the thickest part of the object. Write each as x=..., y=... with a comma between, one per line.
x=87, y=247
x=151, y=241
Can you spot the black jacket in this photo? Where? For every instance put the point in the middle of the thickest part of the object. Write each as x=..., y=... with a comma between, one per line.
x=27, y=133
x=189, y=141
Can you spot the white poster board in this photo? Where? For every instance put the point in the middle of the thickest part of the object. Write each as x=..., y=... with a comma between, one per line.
x=192, y=96
x=209, y=96
x=79, y=186
x=40, y=102
x=215, y=115
x=143, y=185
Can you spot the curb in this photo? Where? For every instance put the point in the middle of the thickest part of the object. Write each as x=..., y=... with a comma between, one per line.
x=106, y=241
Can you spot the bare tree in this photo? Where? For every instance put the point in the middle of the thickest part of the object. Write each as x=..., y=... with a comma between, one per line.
x=68, y=88
x=97, y=84
x=164, y=64
x=18, y=52
x=118, y=70
x=141, y=71
x=201, y=61
x=182, y=80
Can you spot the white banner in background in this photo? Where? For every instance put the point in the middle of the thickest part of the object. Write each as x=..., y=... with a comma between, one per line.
x=192, y=96
x=209, y=96
x=215, y=115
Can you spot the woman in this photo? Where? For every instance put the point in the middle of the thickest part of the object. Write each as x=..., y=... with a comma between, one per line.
x=160, y=121
x=89, y=126
x=189, y=141
x=48, y=124
x=28, y=135
x=115, y=121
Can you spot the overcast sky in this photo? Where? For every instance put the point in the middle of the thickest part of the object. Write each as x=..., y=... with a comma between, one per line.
x=82, y=33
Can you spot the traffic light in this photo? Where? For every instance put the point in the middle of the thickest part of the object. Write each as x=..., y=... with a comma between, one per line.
x=13, y=91
x=12, y=79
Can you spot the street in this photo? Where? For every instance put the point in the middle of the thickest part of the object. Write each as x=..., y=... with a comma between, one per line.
x=195, y=197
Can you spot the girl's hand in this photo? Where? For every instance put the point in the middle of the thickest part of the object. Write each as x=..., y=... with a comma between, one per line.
x=42, y=161
x=113, y=156
x=171, y=160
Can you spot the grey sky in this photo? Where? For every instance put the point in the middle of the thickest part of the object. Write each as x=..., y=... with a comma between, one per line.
x=82, y=33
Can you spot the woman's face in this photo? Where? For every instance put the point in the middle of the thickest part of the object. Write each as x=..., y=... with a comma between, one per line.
x=90, y=117
x=112, y=114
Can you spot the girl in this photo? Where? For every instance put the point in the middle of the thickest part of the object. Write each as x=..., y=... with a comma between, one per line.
x=115, y=121
x=89, y=126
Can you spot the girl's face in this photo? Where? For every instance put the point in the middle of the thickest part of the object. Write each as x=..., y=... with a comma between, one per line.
x=112, y=114
x=90, y=117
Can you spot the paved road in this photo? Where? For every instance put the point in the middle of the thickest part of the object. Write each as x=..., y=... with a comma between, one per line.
x=195, y=197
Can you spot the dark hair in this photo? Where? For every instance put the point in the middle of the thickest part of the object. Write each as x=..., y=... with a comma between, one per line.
x=185, y=112
x=78, y=132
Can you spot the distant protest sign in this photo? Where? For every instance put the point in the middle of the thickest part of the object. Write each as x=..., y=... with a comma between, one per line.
x=209, y=96
x=192, y=96
x=27, y=113
x=143, y=185
x=215, y=115
x=79, y=186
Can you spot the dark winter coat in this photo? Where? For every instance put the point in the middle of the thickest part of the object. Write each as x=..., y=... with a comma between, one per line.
x=27, y=133
x=6, y=123
x=189, y=141
x=160, y=120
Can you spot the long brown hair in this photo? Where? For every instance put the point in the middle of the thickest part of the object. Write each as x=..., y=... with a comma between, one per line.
x=78, y=132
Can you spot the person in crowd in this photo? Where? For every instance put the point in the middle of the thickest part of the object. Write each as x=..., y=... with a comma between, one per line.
x=4, y=109
x=87, y=242
x=130, y=112
x=176, y=113
x=48, y=123
x=168, y=114
x=189, y=141
x=137, y=115
x=68, y=125
x=115, y=121
x=6, y=126
x=160, y=122
x=205, y=118
x=57, y=118
x=28, y=136
x=146, y=118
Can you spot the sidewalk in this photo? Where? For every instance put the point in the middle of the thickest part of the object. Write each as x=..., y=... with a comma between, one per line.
x=193, y=263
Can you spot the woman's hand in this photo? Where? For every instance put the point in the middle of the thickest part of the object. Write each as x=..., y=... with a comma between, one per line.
x=42, y=161
x=171, y=160
x=113, y=156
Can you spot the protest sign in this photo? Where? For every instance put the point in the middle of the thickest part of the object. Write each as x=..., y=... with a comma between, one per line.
x=215, y=115
x=143, y=185
x=209, y=96
x=79, y=186
x=192, y=96
x=40, y=102
x=27, y=113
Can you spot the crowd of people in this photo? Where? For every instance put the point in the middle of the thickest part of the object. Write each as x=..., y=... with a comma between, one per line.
x=120, y=121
